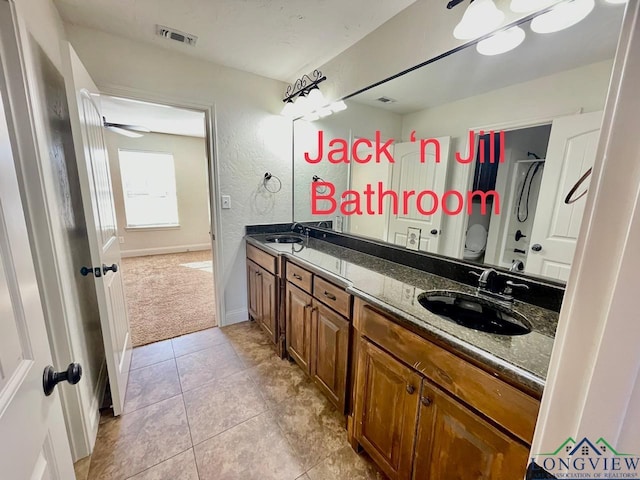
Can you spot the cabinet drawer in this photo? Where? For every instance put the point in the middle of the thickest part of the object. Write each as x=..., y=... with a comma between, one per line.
x=299, y=277
x=265, y=260
x=333, y=296
x=509, y=407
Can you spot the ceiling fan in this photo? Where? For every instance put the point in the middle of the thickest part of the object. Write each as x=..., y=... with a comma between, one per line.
x=124, y=129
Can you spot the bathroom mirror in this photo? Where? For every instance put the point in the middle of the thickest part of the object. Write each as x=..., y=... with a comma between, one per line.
x=544, y=102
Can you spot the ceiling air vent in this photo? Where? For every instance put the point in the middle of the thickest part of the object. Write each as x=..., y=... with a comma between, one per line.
x=386, y=100
x=177, y=35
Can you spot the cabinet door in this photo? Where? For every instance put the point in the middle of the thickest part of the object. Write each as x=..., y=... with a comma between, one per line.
x=329, y=352
x=453, y=442
x=386, y=410
x=299, y=326
x=268, y=306
x=253, y=292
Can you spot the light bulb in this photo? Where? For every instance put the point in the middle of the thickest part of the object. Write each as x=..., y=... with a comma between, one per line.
x=303, y=105
x=526, y=6
x=338, y=106
x=316, y=98
x=288, y=110
x=564, y=15
x=480, y=18
x=501, y=42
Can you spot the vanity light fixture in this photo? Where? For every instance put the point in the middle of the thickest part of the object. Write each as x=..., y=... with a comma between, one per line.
x=562, y=16
x=338, y=106
x=527, y=6
x=501, y=42
x=480, y=18
x=303, y=95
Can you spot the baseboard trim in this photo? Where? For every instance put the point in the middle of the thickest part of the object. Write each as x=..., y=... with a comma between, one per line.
x=163, y=250
x=235, y=316
x=96, y=402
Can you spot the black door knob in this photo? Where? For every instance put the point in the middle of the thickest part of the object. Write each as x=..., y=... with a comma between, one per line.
x=51, y=378
x=536, y=247
x=84, y=271
x=434, y=231
x=113, y=268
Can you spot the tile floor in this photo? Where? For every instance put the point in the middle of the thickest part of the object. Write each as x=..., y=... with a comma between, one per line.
x=219, y=404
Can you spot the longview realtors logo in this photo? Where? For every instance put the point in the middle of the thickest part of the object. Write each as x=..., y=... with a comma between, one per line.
x=588, y=460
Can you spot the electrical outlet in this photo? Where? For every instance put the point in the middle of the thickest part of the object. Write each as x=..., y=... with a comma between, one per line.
x=226, y=201
x=121, y=239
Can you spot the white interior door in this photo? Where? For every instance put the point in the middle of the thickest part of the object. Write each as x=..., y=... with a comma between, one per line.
x=408, y=173
x=571, y=152
x=97, y=192
x=33, y=438
x=361, y=175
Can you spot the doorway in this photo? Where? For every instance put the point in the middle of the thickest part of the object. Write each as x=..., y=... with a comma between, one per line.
x=159, y=170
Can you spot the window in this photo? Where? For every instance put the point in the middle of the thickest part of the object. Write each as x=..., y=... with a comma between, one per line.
x=149, y=188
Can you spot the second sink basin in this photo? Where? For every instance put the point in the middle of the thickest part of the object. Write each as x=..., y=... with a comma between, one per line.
x=474, y=312
x=284, y=238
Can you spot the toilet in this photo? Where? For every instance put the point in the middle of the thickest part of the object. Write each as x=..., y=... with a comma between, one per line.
x=476, y=242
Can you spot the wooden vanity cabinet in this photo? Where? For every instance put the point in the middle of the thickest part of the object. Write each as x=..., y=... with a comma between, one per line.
x=329, y=352
x=254, y=290
x=386, y=409
x=454, y=442
x=423, y=413
x=299, y=304
x=318, y=330
x=262, y=290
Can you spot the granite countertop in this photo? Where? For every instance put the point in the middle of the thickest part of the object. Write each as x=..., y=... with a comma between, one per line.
x=522, y=359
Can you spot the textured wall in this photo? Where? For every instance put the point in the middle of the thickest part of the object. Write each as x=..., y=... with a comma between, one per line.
x=251, y=136
x=190, y=161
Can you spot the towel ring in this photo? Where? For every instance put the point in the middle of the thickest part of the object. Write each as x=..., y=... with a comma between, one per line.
x=265, y=182
x=321, y=190
x=568, y=199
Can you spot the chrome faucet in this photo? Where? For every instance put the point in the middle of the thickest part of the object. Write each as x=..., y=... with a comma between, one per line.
x=485, y=279
x=486, y=287
x=323, y=224
x=516, y=266
x=297, y=225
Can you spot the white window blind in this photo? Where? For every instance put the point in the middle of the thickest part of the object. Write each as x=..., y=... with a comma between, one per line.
x=149, y=187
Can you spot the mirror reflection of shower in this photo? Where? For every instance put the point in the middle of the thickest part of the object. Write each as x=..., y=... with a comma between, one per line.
x=503, y=239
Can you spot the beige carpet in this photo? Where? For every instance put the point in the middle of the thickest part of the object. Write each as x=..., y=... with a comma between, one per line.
x=166, y=299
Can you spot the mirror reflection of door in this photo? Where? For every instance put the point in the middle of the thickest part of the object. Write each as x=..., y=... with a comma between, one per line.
x=361, y=175
x=409, y=173
x=571, y=152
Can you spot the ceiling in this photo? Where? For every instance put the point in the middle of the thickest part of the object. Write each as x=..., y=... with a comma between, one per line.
x=467, y=73
x=272, y=38
x=157, y=118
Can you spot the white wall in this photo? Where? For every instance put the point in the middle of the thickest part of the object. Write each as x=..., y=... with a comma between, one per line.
x=251, y=136
x=593, y=385
x=70, y=305
x=560, y=94
x=192, y=190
